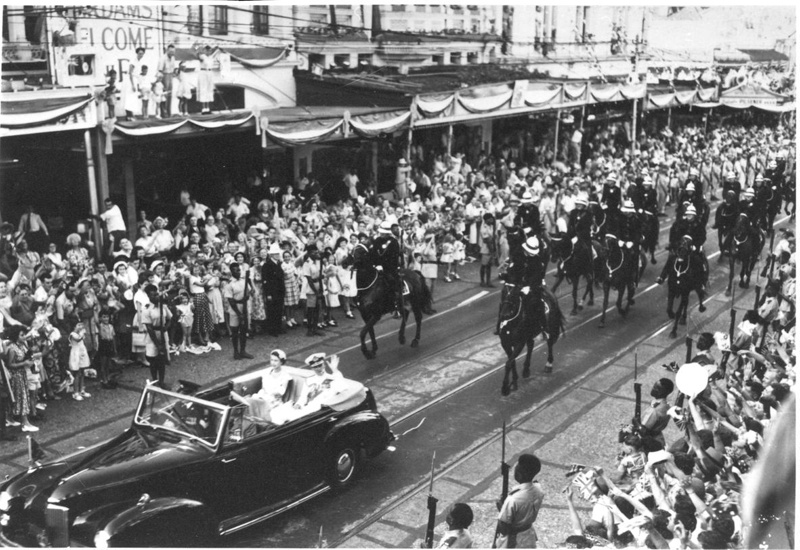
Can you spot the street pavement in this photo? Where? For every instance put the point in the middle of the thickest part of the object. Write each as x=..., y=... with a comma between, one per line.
x=431, y=396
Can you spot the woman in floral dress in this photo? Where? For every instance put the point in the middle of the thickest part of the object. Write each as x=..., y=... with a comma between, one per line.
x=256, y=307
x=292, y=296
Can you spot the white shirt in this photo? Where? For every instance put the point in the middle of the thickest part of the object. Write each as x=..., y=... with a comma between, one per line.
x=113, y=218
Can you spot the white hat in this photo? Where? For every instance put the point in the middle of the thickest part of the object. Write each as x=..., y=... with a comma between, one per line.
x=694, y=172
x=627, y=206
x=531, y=246
x=645, y=171
x=385, y=227
x=690, y=186
x=612, y=177
x=261, y=226
x=731, y=175
x=280, y=354
x=527, y=198
x=759, y=177
x=690, y=211
x=647, y=180
x=749, y=192
x=773, y=164
x=315, y=360
x=582, y=200
x=402, y=162
x=275, y=248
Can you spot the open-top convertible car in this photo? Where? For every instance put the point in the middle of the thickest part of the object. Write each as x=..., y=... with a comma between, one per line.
x=196, y=466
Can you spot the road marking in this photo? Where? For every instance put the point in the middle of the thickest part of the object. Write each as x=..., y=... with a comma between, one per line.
x=478, y=296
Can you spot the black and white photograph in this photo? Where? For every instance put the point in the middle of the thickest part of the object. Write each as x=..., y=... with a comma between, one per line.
x=293, y=275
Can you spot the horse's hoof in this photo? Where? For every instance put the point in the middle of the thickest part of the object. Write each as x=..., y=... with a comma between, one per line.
x=671, y=314
x=653, y=261
x=574, y=311
x=742, y=285
x=631, y=302
x=673, y=334
x=548, y=368
x=402, y=340
x=580, y=308
x=602, y=325
x=746, y=285
x=526, y=372
x=505, y=390
x=369, y=354
x=590, y=303
x=727, y=292
x=414, y=343
x=702, y=308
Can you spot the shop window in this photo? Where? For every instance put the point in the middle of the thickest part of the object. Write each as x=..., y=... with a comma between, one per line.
x=342, y=60
x=81, y=65
x=473, y=58
x=455, y=58
x=261, y=20
x=219, y=20
x=436, y=8
x=398, y=7
x=316, y=59
x=364, y=59
x=194, y=22
x=420, y=8
x=437, y=59
x=457, y=24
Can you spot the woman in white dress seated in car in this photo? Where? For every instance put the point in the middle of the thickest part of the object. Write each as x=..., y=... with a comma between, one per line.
x=274, y=384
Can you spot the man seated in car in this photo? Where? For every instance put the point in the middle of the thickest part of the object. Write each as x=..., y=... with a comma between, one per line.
x=325, y=382
x=274, y=384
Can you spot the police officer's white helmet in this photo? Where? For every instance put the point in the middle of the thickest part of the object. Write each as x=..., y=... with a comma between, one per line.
x=385, y=227
x=628, y=207
x=527, y=198
x=690, y=186
x=531, y=246
x=690, y=211
x=582, y=200
x=748, y=193
x=647, y=180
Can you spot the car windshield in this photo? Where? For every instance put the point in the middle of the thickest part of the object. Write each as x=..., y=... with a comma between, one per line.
x=194, y=418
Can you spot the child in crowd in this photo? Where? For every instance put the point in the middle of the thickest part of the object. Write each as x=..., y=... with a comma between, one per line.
x=78, y=361
x=33, y=376
x=332, y=287
x=106, y=349
x=447, y=256
x=459, y=254
x=186, y=319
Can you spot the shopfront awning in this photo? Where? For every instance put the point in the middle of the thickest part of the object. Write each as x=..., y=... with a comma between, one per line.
x=27, y=113
x=751, y=95
x=154, y=126
x=661, y=97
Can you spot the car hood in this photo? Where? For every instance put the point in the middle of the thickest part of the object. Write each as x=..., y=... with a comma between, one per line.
x=129, y=459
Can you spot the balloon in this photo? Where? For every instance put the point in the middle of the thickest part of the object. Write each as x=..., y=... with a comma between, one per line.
x=691, y=379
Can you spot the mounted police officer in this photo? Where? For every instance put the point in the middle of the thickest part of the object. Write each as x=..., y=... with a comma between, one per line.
x=763, y=196
x=691, y=196
x=626, y=228
x=385, y=255
x=747, y=205
x=725, y=220
x=528, y=217
x=694, y=177
x=687, y=226
x=580, y=221
x=644, y=196
x=532, y=280
x=731, y=183
x=612, y=195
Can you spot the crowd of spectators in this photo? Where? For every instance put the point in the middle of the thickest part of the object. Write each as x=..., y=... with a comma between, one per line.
x=446, y=210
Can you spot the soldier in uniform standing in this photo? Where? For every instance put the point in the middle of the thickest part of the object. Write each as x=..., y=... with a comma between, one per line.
x=236, y=300
x=521, y=507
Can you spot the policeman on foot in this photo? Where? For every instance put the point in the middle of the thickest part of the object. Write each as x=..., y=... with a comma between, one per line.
x=521, y=507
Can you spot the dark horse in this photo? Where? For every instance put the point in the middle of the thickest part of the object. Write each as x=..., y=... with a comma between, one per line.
x=748, y=241
x=375, y=300
x=650, y=230
x=685, y=276
x=574, y=260
x=516, y=237
x=519, y=326
x=620, y=273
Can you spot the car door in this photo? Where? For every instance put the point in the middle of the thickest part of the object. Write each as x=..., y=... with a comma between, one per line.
x=302, y=442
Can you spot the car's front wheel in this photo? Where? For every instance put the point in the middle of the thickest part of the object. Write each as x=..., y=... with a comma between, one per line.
x=345, y=463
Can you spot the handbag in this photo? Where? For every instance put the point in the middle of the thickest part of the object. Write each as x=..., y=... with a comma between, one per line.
x=138, y=339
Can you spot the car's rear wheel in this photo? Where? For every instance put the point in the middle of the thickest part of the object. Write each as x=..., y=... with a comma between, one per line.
x=345, y=463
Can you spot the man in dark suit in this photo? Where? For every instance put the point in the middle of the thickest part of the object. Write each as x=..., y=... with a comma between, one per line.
x=274, y=290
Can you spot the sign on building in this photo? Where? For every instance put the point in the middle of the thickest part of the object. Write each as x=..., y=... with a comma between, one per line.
x=105, y=37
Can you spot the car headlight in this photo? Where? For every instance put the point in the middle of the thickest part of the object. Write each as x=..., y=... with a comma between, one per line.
x=5, y=501
x=101, y=539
